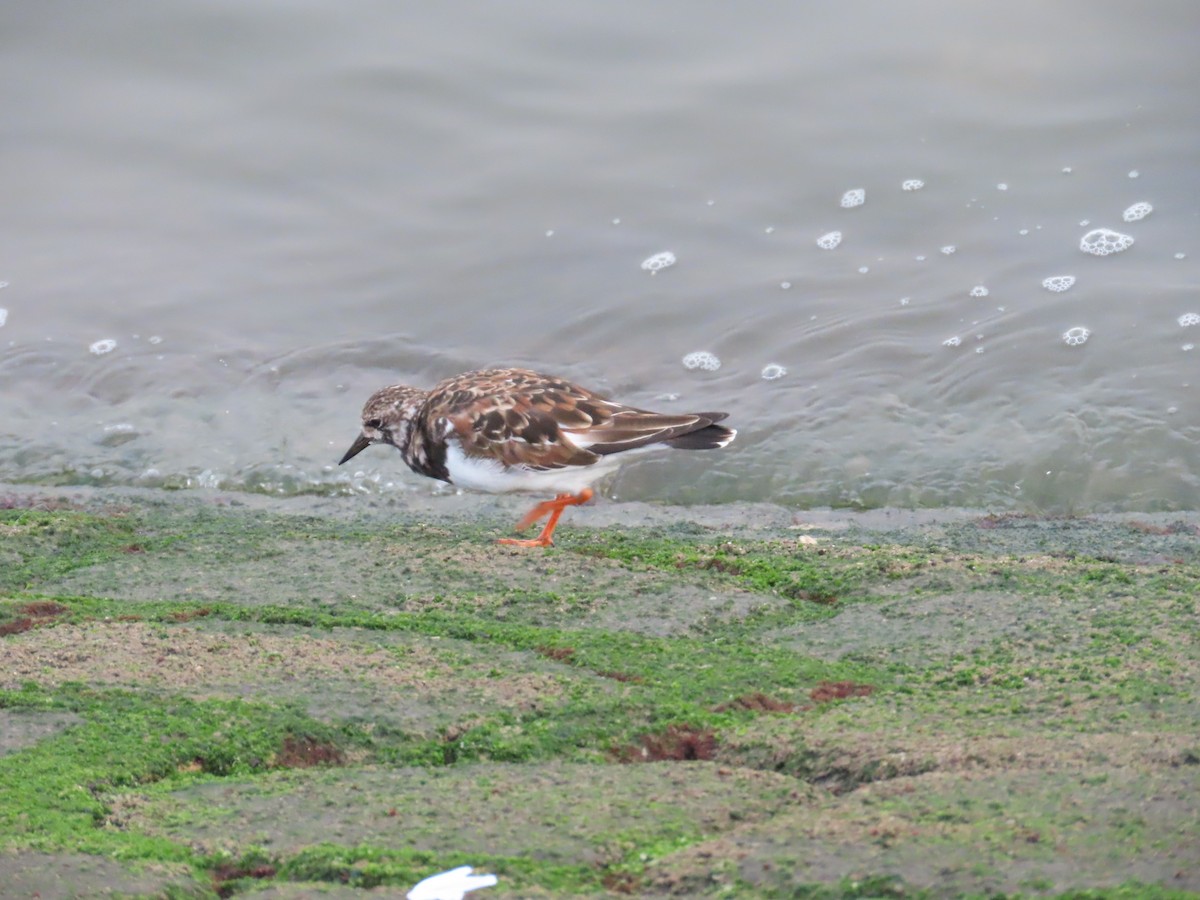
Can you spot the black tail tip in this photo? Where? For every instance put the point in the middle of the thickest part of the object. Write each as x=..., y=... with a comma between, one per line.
x=710, y=437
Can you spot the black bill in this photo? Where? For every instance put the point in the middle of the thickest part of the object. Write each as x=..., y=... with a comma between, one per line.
x=361, y=443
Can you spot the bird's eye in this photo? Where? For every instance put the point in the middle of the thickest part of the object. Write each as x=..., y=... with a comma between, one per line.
x=374, y=423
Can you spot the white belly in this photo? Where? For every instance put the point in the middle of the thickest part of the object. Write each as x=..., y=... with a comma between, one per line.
x=494, y=477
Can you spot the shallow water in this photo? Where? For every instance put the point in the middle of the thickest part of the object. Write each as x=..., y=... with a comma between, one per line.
x=273, y=209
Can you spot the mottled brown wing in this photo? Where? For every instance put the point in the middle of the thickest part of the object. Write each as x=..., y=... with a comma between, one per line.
x=514, y=416
x=524, y=418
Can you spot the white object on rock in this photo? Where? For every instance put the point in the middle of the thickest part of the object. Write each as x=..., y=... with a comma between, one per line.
x=450, y=885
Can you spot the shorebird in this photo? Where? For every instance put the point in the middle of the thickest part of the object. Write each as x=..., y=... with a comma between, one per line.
x=502, y=430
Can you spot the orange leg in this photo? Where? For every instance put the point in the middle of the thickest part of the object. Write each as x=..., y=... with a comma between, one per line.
x=554, y=508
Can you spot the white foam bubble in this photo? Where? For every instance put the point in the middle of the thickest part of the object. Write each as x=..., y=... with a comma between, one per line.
x=1187, y=320
x=770, y=229
x=979, y=291
x=1067, y=170
x=952, y=342
x=904, y=301
x=1104, y=241
x=3, y=317
x=830, y=240
x=855, y=197
x=786, y=285
x=863, y=270
x=550, y=232
x=948, y=249
x=616, y=221
x=1134, y=173
x=1181, y=256
x=1188, y=347
x=664, y=260
x=154, y=339
x=912, y=184
x=1002, y=186
x=702, y=359
x=1077, y=336
x=1137, y=211
x=107, y=345
x=771, y=371
x=1058, y=283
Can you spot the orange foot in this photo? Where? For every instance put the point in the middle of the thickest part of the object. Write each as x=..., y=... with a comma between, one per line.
x=553, y=508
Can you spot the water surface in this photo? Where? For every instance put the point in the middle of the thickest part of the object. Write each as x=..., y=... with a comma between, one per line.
x=269, y=210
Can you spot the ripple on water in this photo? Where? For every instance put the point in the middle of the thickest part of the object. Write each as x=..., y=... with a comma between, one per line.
x=658, y=261
x=702, y=359
x=1104, y=242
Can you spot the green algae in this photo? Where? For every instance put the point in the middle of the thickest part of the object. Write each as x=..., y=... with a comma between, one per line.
x=1056, y=656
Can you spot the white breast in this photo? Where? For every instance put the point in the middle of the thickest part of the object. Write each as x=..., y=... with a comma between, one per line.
x=494, y=477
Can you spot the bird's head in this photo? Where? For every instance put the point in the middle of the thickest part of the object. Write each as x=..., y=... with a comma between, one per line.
x=387, y=418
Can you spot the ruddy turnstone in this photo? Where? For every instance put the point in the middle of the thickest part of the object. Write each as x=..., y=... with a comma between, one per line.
x=501, y=430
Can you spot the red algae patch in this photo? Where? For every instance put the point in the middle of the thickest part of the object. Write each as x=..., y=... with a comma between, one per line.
x=679, y=743
x=302, y=752
x=30, y=615
x=827, y=691
x=757, y=702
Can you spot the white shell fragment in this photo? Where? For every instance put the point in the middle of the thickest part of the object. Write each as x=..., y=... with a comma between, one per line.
x=1105, y=241
x=451, y=885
